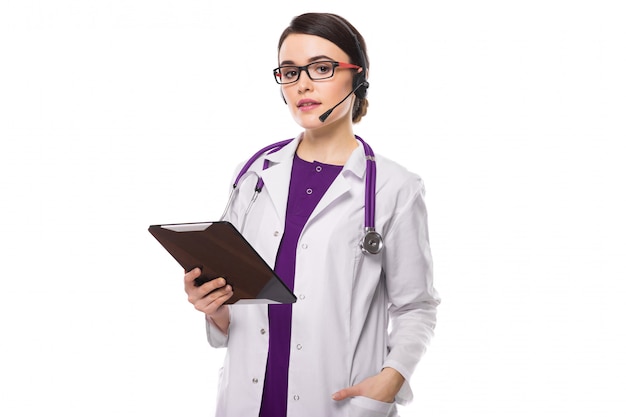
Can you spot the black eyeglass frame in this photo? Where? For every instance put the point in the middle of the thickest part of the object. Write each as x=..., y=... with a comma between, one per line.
x=305, y=68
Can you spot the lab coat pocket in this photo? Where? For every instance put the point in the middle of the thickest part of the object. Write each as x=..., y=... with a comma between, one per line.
x=367, y=407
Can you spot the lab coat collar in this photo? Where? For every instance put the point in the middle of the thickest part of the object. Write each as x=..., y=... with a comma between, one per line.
x=278, y=175
x=355, y=164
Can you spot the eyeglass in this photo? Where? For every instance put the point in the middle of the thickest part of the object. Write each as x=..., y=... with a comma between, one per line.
x=319, y=70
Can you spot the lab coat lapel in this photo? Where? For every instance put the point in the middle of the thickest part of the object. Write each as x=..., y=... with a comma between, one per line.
x=278, y=176
x=354, y=169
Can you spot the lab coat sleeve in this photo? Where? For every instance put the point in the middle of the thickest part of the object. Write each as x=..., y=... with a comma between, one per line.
x=216, y=338
x=214, y=335
x=409, y=281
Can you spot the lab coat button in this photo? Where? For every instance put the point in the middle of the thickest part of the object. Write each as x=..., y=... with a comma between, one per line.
x=304, y=246
x=255, y=380
x=299, y=347
x=296, y=397
x=262, y=331
x=276, y=233
x=318, y=168
x=309, y=191
x=302, y=297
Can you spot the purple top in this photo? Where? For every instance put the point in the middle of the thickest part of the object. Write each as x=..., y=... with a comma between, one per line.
x=309, y=182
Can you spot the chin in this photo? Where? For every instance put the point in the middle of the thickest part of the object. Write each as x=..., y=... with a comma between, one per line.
x=309, y=121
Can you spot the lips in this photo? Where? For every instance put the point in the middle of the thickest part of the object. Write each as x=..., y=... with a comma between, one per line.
x=307, y=104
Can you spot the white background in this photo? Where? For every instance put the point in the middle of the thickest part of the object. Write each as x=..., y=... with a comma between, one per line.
x=118, y=114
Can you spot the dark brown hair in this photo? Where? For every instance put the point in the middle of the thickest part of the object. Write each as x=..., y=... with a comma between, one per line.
x=339, y=31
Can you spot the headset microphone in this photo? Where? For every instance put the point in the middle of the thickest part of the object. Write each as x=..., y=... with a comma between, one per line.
x=327, y=113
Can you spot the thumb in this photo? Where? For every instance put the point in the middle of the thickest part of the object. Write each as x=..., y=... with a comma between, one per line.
x=345, y=393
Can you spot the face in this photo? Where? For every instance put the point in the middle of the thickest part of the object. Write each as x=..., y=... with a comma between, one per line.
x=308, y=99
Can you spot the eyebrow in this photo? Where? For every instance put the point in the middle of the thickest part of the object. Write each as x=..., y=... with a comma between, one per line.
x=312, y=59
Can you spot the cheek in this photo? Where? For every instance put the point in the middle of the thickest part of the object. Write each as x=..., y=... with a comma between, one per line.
x=290, y=95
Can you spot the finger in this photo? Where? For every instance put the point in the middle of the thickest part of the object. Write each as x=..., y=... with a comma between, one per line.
x=213, y=285
x=212, y=302
x=225, y=296
x=219, y=293
x=342, y=394
x=193, y=274
x=207, y=293
x=195, y=293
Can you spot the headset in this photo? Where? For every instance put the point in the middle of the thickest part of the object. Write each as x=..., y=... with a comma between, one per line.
x=359, y=83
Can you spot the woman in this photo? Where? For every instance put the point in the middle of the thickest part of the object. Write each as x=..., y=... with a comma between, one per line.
x=331, y=353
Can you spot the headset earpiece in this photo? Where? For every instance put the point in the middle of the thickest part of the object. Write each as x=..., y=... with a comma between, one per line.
x=360, y=83
x=360, y=90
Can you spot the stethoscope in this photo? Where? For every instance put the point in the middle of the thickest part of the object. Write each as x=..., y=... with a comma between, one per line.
x=372, y=241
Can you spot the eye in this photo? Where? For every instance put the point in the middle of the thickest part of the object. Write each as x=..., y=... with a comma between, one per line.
x=324, y=68
x=288, y=73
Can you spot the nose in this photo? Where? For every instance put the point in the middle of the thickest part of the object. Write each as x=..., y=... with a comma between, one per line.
x=304, y=83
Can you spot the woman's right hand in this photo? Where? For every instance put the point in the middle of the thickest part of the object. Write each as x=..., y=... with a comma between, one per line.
x=209, y=298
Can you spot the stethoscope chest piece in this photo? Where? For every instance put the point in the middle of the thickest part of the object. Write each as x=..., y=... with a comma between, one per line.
x=372, y=242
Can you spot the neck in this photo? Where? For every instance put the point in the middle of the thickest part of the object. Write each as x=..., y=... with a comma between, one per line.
x=332, y=151
x=332, y=148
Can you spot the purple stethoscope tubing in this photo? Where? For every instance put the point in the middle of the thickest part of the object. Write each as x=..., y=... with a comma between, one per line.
x=372, y=241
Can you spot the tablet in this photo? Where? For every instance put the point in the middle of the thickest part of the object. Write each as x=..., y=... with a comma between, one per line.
x=219, y=250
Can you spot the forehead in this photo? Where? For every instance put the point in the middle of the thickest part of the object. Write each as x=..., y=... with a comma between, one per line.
x=300, y=49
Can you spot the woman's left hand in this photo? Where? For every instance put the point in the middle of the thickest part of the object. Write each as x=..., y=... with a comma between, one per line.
x=382, y=387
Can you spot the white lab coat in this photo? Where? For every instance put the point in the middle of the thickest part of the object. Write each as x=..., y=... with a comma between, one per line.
x=346, y=299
